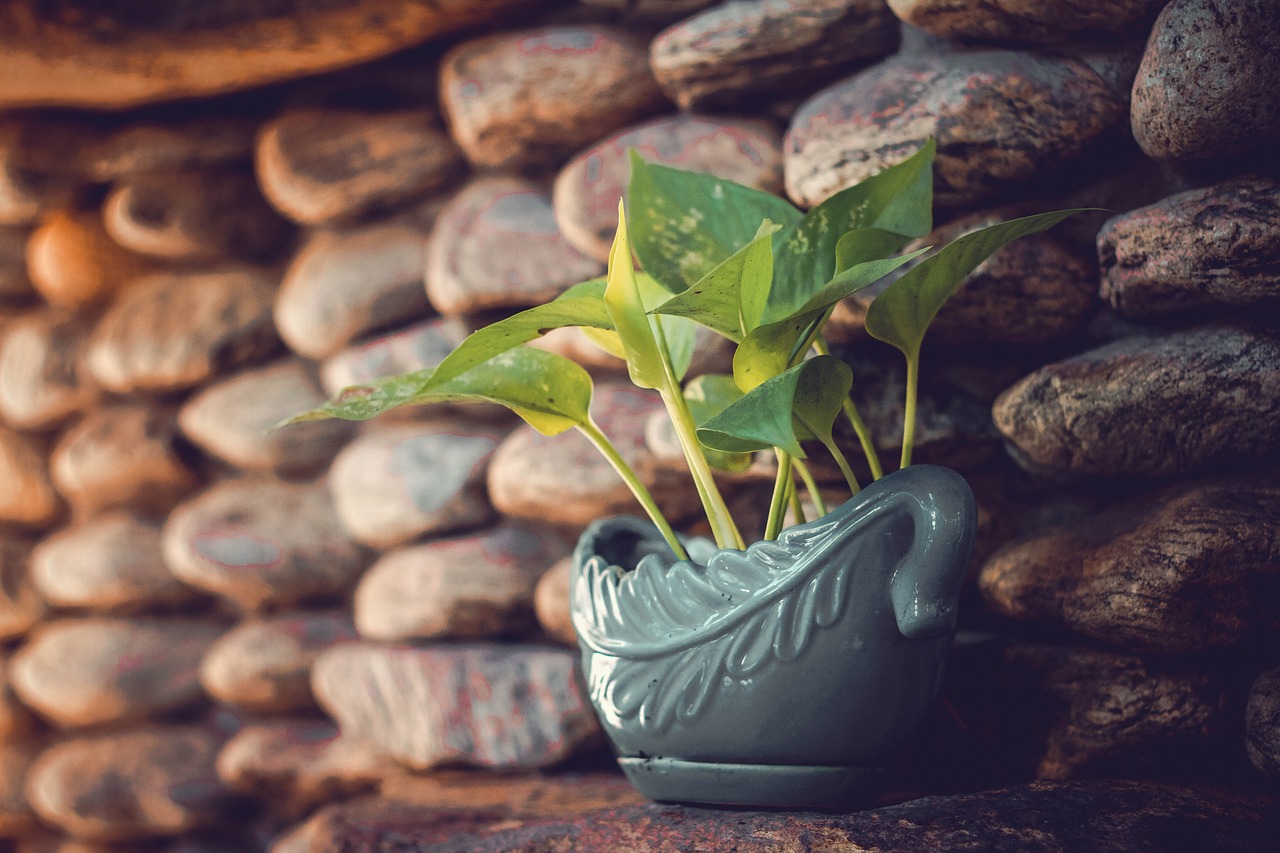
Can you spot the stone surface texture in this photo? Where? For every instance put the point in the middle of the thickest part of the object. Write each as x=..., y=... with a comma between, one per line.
x=20, y=605
x=42, y=381
x=26, y=496
x=1262, y=723
x=1026, y=21
x=74, y=263
x=403, y=351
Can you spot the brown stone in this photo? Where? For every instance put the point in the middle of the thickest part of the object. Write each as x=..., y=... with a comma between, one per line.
x=121, y=455
x=403, y=351
x=164, y=146
x=1200, y=248
x=15, y=285
x=42, y=380
x=16, y=722
x=16, y=816
x=437, y=705
x=741, y=52
x=73, y=262
x=1180, y=572
x=26, y=496
x=1148, y=406
x=195, y=215
x=264, y=665
x=234, y=419
x=262, y=543
x=343, y=284
x=319, y=166
x=551, y=602
x=496, y=246
x=83, y=672
x=587, y=189
x=172, y=331
x=132, y=53
x=533, y=97
x=1026, y=21
x=651, y=8
x=20, y=605
x=1000, y=118
x=470, y=587
x=1205, y=86
x=296, y=765
x=129, y=785
x=1262, y=723
x=40, y=165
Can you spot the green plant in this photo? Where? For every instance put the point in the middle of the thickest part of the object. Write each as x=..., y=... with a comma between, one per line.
x=752, y=268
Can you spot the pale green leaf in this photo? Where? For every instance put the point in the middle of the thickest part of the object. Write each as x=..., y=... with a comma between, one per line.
x=709, y=395
x=626, y=309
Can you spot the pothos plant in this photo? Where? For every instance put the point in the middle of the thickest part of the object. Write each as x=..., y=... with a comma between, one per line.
x=752, y=268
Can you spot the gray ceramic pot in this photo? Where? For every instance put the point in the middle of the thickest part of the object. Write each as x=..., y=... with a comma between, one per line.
x=786, y=674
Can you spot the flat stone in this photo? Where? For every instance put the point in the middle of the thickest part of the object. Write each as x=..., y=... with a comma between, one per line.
x=121, y=455
x=588, y=187
x=83, y=672
x=435, y=706
x=551, y=602
x=496, y=246
x=531, y=98
x=40, y=165
x=15, y=285
x=16, y=816
x=134, y=54
x=296, y=765
x=26, y=496
x=1027, y=21
x=1122, y=408
x=1204, y=88
x=470, y=587
x=1219, y=245
x=403, y=351
x=164, y=146
x=20, y=605
x=74, y=263
x=131, y=785
x=318, y=166
x=1179, y=572
x=399, y=481
x=1000, y=118
x=234, y=418
x=110, y=562
x=262, y=543
x=264, y=665
x=1262, y=723
x=16, y=722
x=344, y=284
x=172, y=331
x=42, y=381
x=195, y=215
x=740, y=52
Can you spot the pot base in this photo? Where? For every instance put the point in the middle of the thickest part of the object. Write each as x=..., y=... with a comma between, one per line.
x=763, y=785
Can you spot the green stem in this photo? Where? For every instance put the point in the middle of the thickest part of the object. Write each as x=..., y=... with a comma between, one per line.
x=778, y=504
x=602, y=443
x=855, y=420
x=844, y=468
x=793, y=498
x=810, y=485
x=909, y=418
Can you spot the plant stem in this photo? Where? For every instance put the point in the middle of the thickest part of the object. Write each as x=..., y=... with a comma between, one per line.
x=811, y=486
x=778, y=504
x=855, y=420
x=793, y=498
x=844, y=468
x=909, y=417
x=602, y=443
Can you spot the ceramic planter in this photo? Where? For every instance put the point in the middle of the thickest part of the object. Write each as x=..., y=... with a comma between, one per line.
x=786, y=674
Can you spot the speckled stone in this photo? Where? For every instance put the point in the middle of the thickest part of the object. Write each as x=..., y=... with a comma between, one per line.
x=1262, y=723
x=172, y=331
x=399, y=481
x=319, y=166
x=263, y=666
x=168, y=145
x=1000, y=117
x=1122, y=408
x=20, y=606
x=121, y=455
x=15, y=285
x=403, y=351
x=551, y=602
x=435, y=706
x=344, y=284
x=131, y=785
x=42, y=381
x=496, y=246
x=233, y=419
x=1205, y=88
x=94, y=670
x=26, y=496
x=1219, y=245
x=74, y=263
x=16, y=816
x=587, y=189
x=262, y=543
x=469, y=587
x=742, y=52
x=110, y=562
x=534, y=96
x=1026, y=21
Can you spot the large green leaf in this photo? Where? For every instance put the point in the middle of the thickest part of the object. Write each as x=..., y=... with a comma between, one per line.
x=902, y=313
x=799, y=404
x=549, y=391
x=630, y=318
x=867, y=244
x=685, y=223
x=709, y=395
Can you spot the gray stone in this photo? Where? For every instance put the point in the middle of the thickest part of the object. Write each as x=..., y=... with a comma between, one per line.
x=403, y=351
x=42, y=381
x=162, y=146
x=532, y=97
x=26, y=495
x=20, y=605
x=73, y=263
x=1026, y=21
x=1262, y=723
x=1148, y=406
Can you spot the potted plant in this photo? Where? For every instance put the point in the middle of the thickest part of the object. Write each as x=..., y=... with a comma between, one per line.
x=787, y=672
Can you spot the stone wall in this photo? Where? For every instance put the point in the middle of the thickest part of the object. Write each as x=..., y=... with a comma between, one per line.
x=213, y=216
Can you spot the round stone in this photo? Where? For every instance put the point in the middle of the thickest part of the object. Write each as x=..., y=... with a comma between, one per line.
x=164, y=146
x=1027, y=21
x=496, y=246
x=412, y=348
x=532, y=97
x=588, y=187
x=20, y=605
x=26, y=495
x=16, y=816
x=16, y=722
x=551, y=602
x=42, y=381
x=74, y=263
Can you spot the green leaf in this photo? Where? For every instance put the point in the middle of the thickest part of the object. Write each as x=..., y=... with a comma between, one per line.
x=627, y=310
x=867, y=244
x=902, y=313
x=686, y=223
x=549, y=391
x=709, y=395
x=797, y=405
